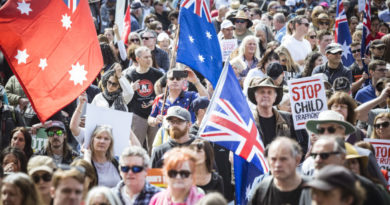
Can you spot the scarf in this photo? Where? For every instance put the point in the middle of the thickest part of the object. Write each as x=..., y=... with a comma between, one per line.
x=115, y=97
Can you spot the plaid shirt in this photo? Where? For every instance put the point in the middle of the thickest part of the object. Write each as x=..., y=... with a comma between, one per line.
x=144, y=196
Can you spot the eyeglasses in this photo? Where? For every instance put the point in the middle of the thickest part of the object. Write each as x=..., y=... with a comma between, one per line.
x=173, y=78
x=57, y=132
x=323, y=23
x=380, y=48
x=240, y=21
x=134, y=169
x=134, y=40
x=46, y=177
x=331, y=129
x=356, y=51
x=313, y=37
x=147, y=38
x=323, y=155
x=183, y=173
x=383, y=125
x=112, y=83
x=306, y=24
x=158, y=28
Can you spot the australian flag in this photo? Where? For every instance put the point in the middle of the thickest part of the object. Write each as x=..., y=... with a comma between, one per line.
x=198, y=45
x=366, y=28
x=229, y=123
x=342, y=34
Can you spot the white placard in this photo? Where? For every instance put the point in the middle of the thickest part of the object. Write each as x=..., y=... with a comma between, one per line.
x=382, y=153
x=119, y=121
x=308, y=99
x=227, y=46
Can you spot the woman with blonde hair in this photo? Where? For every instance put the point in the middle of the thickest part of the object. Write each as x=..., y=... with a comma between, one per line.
x=381, y=126
x=311, y=36
x=249, y=51
x=289, y=66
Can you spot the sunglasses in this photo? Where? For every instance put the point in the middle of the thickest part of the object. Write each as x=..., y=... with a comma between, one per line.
x=45, y=177
x=380, y=48
x=324, y=23
x=313, y=37
x=330, y=129
x=112, y=83
x=323, y=155
x=52, y=133
x=134, y=169
x=306, y=24
x=173, y=78
x=356, y=51
x=134, y=40
x=383, y=124
x=147, y=38
x=183, y=173
x=240, y=21
x=338, y=53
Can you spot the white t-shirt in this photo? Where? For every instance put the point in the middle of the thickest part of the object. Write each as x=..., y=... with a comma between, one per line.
x=298, y=49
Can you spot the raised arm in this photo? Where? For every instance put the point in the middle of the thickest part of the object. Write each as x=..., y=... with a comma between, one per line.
x=75, y=121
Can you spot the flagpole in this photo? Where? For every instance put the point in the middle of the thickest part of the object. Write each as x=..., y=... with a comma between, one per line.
x=173, y=58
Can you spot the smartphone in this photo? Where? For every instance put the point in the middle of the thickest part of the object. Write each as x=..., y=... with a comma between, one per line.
x=180, y=73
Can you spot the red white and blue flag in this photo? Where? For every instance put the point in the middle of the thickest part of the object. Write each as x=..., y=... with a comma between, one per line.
x=366, y=28
x=229, y=122
x=342, y=34
x=198, y=45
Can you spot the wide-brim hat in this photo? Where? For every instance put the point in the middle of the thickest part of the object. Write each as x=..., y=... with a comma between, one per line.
x=323, y=17
x=352, y=153
x=329, y=116
x=241, y=15
x=258, y=82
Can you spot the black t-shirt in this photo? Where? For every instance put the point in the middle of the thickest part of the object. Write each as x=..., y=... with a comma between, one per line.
x=268, y=128
x=277, y=197
x=142, y=102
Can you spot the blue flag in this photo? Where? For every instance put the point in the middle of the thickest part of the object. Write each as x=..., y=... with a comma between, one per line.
x=198, y=45
x=229, y=123
x=342, y=34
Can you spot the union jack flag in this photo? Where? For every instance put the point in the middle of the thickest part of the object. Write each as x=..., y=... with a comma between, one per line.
x=366, y=32
x=198, y=45
x=72, y=4
x=229, y=123
x=342, y=34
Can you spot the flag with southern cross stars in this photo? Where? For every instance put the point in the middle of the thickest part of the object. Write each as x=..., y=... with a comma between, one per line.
x=198, y=45
x=342, y=34
x=52, y=48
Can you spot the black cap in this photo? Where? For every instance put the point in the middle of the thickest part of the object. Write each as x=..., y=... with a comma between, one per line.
x=200, y=103
x=274, y=70
x=136, y=5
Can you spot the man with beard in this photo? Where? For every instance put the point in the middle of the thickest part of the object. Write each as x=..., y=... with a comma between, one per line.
x=179, y=120
x=56, y=147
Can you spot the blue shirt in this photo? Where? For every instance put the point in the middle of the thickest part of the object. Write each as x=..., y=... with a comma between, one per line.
x=184, y=100
x=385, y=16
x=365, y=94
x=279, y=35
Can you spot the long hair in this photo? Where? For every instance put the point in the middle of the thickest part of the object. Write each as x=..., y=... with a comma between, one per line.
x=310, y=63
x=241, y=49
x=208, y=151
x=381, y=115
x=99, y=130
x=268, y=55
x=28, y=151
x=26, y=186
x=290, y=64
x=19, y=154
x=108, y=54
x=386, y=41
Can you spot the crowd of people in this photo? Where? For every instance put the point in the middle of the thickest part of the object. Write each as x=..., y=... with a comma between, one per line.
x=328, y=162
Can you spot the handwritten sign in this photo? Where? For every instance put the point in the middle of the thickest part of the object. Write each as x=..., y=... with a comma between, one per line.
x=227, y=46
x=308, y=99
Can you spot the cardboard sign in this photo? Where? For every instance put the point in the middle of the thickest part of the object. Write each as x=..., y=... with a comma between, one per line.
x=227, y=46
x=308, y=99
x=39, y=140
x=382, y=153
x=156, y=177
x=119, y=121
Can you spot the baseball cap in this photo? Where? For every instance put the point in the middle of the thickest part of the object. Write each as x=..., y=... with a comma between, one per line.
x=274, y=70
x=40, y=163
x=200, y=103
x=57, y=124
x=333, y=48
x=226, y=24
x=179, y=112
x=136, y=5
x=333, y=176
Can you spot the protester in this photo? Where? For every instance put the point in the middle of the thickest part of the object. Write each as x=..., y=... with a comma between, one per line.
x=134, y=163
x=179, y=170
x=101, y=195
x=67, y=185
x=13, y=160
x=160, y=57
x=242, y=24
x=40, y=169
x=21, y=139
x=91, y=178
x=18, y=189
x=381, y=126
